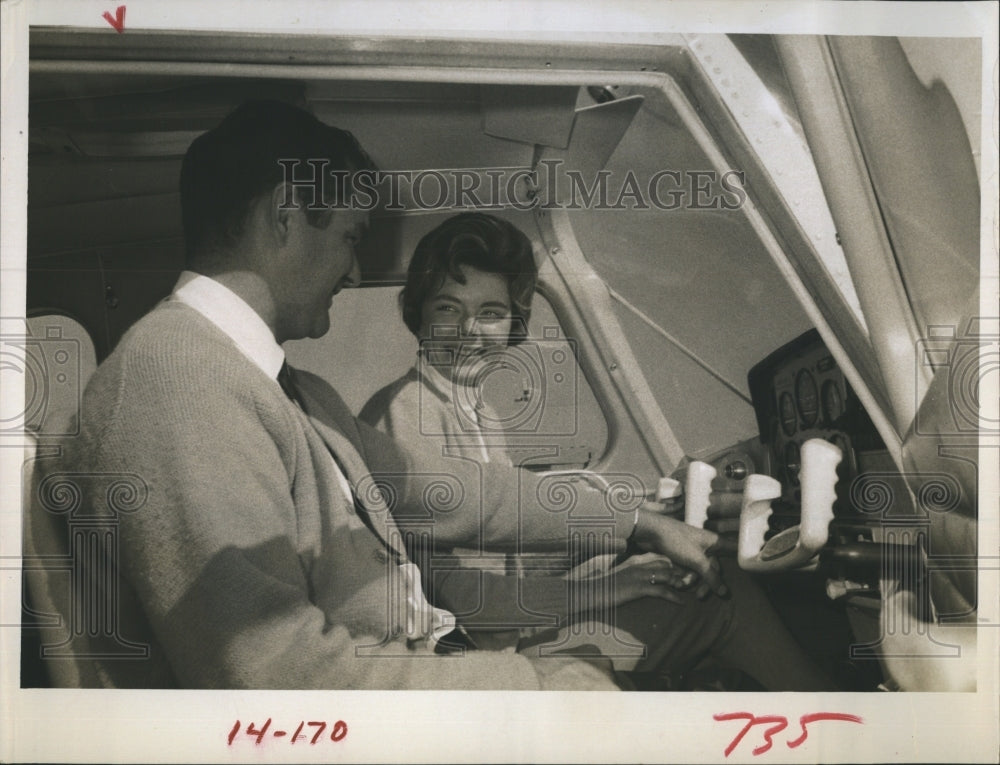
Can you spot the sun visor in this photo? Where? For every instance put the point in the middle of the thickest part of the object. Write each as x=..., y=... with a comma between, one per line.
x=535, y=114
x=597, y=131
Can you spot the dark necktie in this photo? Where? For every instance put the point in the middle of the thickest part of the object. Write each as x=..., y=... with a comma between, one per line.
x=286, y=379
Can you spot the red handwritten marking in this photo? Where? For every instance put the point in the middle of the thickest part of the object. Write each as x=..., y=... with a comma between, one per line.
x=252, y=730
x=118, y=21
x=322, y=727
x=806, y=719
x=778, y=723
x=339, y=731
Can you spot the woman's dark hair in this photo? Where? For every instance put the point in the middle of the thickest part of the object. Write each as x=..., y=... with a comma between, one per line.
x=480, y=241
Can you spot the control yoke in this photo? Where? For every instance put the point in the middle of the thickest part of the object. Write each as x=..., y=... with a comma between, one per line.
x=697, y=488
x=796, y=547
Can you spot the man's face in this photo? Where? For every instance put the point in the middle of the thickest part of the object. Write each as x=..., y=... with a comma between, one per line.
x=320, y=263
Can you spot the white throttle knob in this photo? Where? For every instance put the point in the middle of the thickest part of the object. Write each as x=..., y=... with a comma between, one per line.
x=697, y=488
x=819, y=491
x=758, y=492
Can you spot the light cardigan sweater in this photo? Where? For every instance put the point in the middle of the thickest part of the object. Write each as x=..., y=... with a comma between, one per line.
x=420, y=411
x=239, y=562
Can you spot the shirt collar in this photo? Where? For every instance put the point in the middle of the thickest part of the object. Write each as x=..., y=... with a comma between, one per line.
x=443, y=385
x=231, y=314
x=433, y=378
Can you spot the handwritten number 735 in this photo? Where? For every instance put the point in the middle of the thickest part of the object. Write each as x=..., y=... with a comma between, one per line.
x=776, y=724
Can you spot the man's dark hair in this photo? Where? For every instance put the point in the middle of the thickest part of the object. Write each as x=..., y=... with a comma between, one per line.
x=227, y=168
x=481, y=241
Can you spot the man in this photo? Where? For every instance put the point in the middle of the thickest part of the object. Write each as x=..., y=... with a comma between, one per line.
x=259, y=550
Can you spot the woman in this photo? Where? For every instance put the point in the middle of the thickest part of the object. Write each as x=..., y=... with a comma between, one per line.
x=467, y=298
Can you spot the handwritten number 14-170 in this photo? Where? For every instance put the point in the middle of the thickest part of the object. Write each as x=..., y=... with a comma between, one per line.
x=313, y=732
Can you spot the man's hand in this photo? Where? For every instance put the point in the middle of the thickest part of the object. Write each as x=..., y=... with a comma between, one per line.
x=724, y=519
x=685, y=545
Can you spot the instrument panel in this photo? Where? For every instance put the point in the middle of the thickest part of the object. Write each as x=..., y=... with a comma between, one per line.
x=799, y=392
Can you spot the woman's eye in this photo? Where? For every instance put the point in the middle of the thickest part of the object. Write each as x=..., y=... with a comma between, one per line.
x=492, y=316
x=445, y=308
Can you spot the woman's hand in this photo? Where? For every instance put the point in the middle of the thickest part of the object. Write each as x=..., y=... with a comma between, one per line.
x=649, y=575
x=640, y=576
x=687, y=546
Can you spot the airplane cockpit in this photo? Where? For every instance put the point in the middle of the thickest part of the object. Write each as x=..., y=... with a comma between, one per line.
x=758, y=299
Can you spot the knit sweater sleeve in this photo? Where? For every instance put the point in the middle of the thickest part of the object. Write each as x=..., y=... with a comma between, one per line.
x=489, y=506
x=213, y=554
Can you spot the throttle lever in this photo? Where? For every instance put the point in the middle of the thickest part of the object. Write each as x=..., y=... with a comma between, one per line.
x=798, y=545
x=697, y=488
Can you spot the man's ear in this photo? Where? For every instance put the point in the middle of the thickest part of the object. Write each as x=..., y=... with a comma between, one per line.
x=281, y=207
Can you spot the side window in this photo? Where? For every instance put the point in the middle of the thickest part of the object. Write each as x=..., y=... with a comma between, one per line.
x=540, y=397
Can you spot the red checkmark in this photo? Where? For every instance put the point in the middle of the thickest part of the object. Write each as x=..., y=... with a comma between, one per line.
x=118, y=21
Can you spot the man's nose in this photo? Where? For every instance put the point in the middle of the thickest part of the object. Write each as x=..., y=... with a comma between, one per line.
x=353, y=278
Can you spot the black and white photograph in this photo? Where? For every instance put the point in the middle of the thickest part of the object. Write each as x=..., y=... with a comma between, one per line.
x=499, y=381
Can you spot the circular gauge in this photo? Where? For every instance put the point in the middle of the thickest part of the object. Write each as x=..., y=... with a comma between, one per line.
x=786, y=412
x=807, y=397
x=832, y=402
x=792, y=462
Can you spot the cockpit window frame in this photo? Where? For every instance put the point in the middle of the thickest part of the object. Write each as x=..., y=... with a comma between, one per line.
x=669, y=67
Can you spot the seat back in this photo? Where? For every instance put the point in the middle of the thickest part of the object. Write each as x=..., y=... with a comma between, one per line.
x=58, y=358
x=49, y=572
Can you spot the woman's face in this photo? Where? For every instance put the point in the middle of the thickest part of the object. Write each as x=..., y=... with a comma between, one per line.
x=462, y=324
